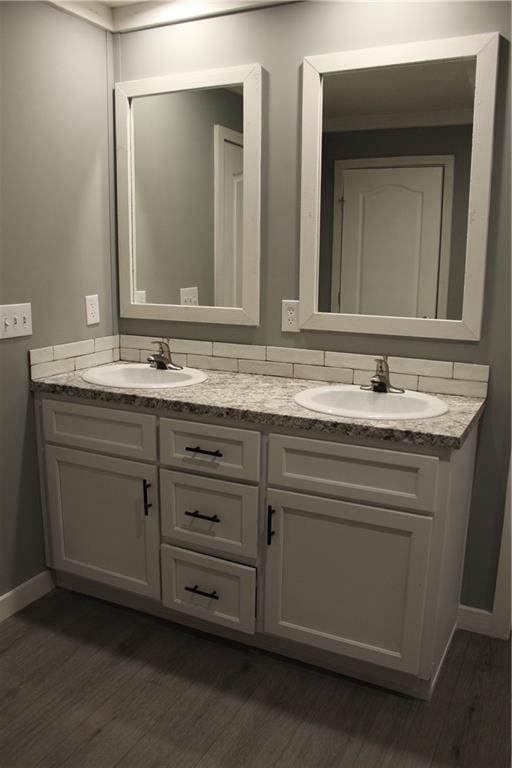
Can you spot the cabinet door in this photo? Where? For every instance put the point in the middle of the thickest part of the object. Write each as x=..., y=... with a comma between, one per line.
x=100, y=526
x=347, y=578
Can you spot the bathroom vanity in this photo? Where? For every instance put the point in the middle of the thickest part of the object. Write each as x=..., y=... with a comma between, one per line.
x=231, y=509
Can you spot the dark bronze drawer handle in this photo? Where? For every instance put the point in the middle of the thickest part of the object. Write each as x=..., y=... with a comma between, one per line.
x=195, y=589
x=216, y=454
x=199, y=516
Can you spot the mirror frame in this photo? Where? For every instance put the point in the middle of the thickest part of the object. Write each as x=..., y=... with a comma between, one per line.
x=250, y=76
x=485, y=48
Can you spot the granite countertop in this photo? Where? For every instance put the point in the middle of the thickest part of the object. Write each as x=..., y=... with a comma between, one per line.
x=268, y=401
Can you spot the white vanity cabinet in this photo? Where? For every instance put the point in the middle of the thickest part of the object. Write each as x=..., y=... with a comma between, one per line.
x=103, y=519
x=347, y=578
x=347, y=555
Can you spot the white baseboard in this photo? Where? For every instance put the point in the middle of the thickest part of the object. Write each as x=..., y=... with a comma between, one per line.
x=482, y=622
x=25, y=593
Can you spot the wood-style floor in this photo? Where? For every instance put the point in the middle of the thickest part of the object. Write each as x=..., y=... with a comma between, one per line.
x=85, y=684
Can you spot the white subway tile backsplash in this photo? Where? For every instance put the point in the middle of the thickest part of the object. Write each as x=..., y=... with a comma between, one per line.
x=320, y=373
x=213, y=363
x=129, y=355
x=347, y=360
x=452, y=387
x=191, y=347
x=291, y=355
x=136, y=342
x=177, y=358
x=421, y=367
x=97, y=358
x=41, y=355
x=106, y=342
x=265, y=368
x=74, y=349
x=240, y=351
x=437, y=376
x=51, y=369
x=471, y=372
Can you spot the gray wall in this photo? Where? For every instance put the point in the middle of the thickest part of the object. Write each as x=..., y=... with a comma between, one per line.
x=54, y=232
x=399, y=142
x=278, y=38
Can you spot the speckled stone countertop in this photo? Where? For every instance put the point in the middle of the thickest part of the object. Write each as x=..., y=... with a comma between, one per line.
x=269, y=401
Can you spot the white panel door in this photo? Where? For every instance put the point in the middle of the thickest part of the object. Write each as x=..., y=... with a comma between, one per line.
x=390, y=244
x=347, y=578
x=228, y=205
x=103, y=515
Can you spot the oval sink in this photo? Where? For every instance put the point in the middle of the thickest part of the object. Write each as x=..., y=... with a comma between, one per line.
x=140, y=376
x=351, y=401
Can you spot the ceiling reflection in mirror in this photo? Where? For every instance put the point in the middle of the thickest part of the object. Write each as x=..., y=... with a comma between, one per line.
x=396, y=160
x=188, y=197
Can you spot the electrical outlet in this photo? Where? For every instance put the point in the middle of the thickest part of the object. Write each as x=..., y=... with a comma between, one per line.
x=92, y=309
x=15, y=320
x=140, y=297
x=189, y=295
x=290, y=315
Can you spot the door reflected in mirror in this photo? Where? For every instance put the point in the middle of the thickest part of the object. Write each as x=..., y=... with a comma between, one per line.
x=396, y=163
x=188, y=197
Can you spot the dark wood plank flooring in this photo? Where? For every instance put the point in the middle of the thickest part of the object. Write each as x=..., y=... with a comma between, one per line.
x=85, y=684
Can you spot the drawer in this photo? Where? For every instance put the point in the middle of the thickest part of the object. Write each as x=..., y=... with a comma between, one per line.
x=209, y=588
x=213, y=514
x=373, y=475
x=104, y=430
x=210, y=449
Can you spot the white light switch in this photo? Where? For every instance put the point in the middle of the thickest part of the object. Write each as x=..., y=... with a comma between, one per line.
x=15, y=320
x=92, y=309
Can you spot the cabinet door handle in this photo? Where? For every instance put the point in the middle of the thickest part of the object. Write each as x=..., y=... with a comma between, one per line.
x=199, y=516
x=147, y=505
x=217, y=454
x=270, y=511
x=195, y=589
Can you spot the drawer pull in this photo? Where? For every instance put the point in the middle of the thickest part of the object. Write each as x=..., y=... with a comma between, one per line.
x=270, y=532
x=147, y=505
x=199, y=516
x=216, y=454
x=195, y=589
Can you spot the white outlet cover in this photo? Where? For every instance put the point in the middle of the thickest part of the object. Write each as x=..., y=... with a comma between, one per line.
x=189, y=295
x=290, y=315
x=92, y=309
x=140, y=297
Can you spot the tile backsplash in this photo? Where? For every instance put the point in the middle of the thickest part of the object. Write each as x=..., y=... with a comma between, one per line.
x=436, y=376
x=64, y=358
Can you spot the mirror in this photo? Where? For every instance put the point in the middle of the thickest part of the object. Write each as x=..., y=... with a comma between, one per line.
x=188, y=174
x=398, y=164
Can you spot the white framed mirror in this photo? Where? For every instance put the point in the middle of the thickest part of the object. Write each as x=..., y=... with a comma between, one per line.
x=188, y=192
x=397, y=147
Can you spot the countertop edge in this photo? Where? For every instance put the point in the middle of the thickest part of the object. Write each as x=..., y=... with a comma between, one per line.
x=340, y=428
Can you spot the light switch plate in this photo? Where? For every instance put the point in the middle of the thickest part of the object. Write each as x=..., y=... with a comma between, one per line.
x=15, y=320
x=92, y=309
x=189, y=295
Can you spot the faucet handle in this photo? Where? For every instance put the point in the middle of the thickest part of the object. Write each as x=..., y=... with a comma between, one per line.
x=163, y=347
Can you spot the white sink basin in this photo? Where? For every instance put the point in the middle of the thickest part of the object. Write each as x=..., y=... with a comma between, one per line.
x=140, y=376
x=351, y=401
